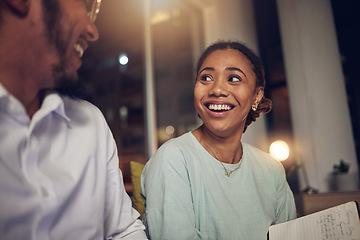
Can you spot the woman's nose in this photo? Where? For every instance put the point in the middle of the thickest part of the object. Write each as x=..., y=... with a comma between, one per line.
x=219, y=89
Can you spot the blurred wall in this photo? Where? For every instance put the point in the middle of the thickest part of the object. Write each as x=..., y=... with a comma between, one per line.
x=319, y=109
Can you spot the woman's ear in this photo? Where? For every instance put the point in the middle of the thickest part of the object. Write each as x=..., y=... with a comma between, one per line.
x=259, y=95
x=20, y=7
x=257, y=98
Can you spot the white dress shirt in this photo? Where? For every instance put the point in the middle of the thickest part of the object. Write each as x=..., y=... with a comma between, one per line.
x=59, y=174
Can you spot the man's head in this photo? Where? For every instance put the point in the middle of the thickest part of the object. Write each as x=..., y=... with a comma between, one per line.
x=58, y=32
x=69, y=31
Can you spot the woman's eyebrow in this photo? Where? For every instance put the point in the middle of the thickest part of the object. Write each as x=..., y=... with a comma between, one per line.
x=207, y=68
x=235, y=69
x=228, y=69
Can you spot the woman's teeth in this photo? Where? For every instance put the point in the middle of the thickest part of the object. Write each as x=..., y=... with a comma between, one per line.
x=219, y=107
x=79, y=49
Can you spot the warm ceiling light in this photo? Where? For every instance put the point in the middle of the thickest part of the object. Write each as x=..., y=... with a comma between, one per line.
x=279, y=150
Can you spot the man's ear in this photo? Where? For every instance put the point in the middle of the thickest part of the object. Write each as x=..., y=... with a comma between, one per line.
x=20, y=7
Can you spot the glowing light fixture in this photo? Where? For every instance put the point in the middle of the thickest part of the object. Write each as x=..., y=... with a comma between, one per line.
x=170, y=129
x=279, y=150
x=160, y=17
x=123, y=59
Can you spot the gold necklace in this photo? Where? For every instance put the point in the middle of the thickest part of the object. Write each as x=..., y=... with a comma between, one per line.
x=227, y=172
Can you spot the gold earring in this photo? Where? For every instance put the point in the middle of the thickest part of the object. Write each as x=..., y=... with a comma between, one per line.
x=254, y=107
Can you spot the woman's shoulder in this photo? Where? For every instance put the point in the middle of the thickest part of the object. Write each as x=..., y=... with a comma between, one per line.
x=254, y=150
x=263, y=165
x=178, y=143
x=259, y=157
x=173, y=149
x=171, y=155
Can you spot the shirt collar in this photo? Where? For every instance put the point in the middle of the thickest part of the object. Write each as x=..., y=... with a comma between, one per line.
x=52, y=102
x=12, y=106
x=3, y=92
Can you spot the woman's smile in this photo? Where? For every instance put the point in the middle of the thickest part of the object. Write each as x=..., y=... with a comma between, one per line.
x=218, y=107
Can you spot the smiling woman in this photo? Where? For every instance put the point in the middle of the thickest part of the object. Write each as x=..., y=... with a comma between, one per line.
x=209, y=182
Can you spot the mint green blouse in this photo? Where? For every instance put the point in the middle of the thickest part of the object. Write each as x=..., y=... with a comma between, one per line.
x=188, y=196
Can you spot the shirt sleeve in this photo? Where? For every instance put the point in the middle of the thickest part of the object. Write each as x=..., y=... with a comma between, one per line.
x=121, y=219
x=286, y=209
x=166, y=189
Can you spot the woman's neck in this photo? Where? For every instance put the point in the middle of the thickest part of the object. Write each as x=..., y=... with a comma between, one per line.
x=225, y=149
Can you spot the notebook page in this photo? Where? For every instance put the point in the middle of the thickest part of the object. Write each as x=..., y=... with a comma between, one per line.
x=337, y=223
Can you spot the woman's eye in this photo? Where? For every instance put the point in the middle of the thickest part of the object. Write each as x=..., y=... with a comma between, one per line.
x=234, y=79
x=205, y=78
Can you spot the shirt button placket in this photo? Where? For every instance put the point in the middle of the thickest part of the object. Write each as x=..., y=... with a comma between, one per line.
x=41, y=182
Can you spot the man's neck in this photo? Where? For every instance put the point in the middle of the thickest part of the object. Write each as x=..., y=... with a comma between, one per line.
x=33, y=106
x=28, y=96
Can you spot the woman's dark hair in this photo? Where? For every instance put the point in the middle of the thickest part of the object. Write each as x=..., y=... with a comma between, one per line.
x=257, y=66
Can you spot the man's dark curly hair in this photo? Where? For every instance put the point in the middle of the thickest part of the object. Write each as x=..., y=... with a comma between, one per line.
x=265, y=104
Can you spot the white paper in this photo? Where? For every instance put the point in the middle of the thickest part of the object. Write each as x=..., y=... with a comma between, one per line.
x=337, y=223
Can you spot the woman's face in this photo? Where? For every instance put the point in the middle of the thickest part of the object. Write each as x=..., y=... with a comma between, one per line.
x=224, y=92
